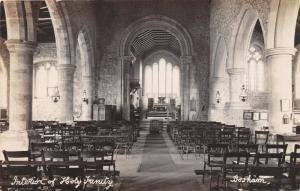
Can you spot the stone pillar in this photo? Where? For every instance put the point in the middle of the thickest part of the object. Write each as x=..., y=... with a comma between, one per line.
x=296, y=70
x=65, y=87
x=87, y=86
x=20, y=95
x=233, y=112
x=279, y=61
x=186, y=61
x=216, y=110
x=125, y=85
x=235, y=87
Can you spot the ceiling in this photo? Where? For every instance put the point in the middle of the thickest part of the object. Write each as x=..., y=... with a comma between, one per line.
x=3, y=33
x=45, y=31
x=149, y=41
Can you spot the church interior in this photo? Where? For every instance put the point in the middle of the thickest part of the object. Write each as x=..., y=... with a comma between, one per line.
x=140, y=95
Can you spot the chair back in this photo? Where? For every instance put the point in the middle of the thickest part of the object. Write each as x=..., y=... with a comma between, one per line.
x=274, y=158
x=215, y=152
x=17, y=155
x=261, y=137
x=55, y=156
x=240, y=164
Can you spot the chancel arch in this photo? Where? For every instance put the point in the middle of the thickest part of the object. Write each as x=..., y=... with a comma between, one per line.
x=150, y=34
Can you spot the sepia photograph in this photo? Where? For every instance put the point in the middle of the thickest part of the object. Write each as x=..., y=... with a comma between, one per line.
x=149, y=95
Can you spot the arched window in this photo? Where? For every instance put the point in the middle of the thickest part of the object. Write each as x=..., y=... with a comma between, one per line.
x=169, y=80
x=155, y=80
x=162, y=79
x=148, y=78
x=256, y=70
x=46, y=80
x=176, y=82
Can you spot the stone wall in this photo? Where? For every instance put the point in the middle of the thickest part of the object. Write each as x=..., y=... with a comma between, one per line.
x=113, y=18
x=44, y=108
x=225, y=18
x=4, y=70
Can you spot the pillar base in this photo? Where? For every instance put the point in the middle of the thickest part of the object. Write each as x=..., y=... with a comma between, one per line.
x=13, y=141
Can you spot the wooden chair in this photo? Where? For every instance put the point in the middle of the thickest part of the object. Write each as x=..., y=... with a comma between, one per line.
x=294, y=170
x=93, y=156
x=17, y=155
x=230, y=169
x=215, y=153
x=108, y=149
x=252, y=149
x=280, y=139
x=275, y=158
x=272, y=177
x=261, y=138
x=227, y=137
x=63, y=171
x=37, y=147
x=275, y=148
x=243, y=136
x=10, y=172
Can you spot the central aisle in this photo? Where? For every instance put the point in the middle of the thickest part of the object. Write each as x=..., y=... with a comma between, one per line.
x=156, y=157
x=154, y=165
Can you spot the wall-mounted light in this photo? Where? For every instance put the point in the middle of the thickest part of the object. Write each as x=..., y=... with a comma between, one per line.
x=243, y=95
x=218, y=97
x=286, y=119
x=55, y=96
x=84, y=97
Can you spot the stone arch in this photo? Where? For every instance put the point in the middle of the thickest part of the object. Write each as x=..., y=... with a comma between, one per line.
x=156, y=22
x=86, y=50
x=186, y=47
x=218, y=80
x=83, y=76
x=241, y=37
x=63, y=32
x=20, y=24
x=282, y=23
x=220, y=58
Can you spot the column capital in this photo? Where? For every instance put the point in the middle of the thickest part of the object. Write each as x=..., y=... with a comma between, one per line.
x=280, y=51
x=186, y=58
x=14, y=45
x=126, y=58
x=87, y=78
x=235, y=71
x=68, y=67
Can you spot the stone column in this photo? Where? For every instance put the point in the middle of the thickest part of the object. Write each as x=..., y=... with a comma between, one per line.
x=235, y=87
x=65, y=87
x=87, y=86
x=126, y=61
x=216, y=110
x=279, y=61
x=20, y=95
x=233, y=112
x=296, y=70
x=186, y=61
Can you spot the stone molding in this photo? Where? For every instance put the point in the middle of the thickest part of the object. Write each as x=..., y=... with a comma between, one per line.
x=14, y=45
x=280, y=51
x=69, y=67
x=235, y=71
